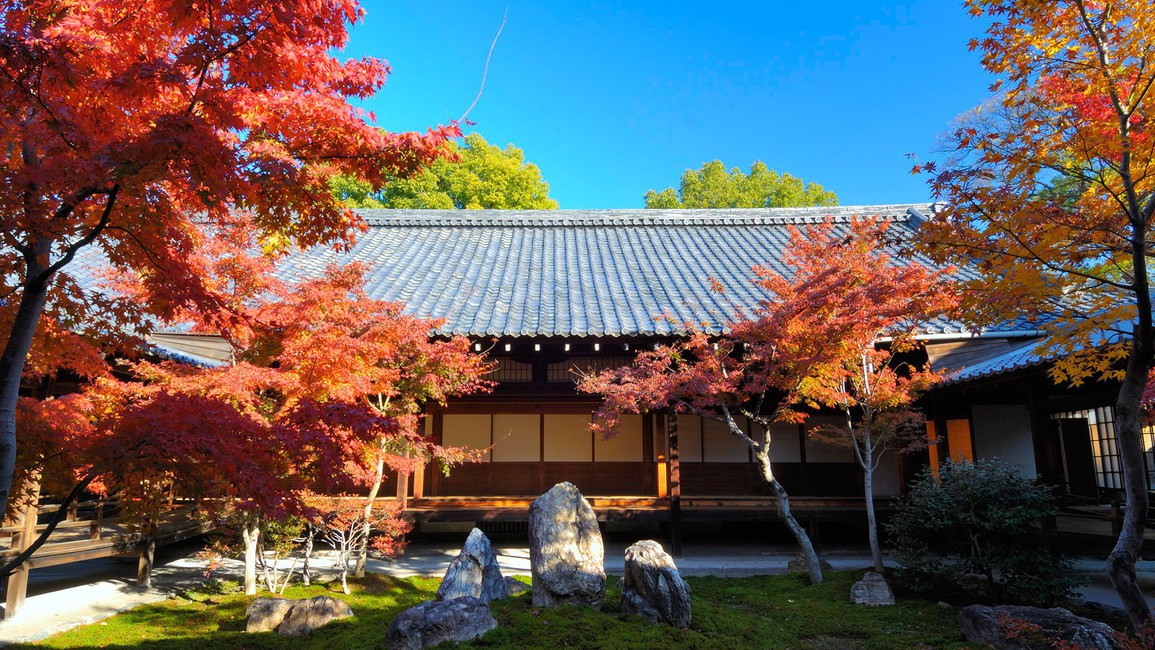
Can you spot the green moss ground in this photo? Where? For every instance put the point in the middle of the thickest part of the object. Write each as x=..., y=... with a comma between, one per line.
x=761, y=612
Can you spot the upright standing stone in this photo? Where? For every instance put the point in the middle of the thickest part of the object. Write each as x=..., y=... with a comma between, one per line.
x=474, y=572
x=565, y=550
x=652, y=586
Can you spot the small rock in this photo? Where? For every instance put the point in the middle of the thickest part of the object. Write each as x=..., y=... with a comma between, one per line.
x=515, y=587
x=265, y=614
x=294, y=617
x=798, y=565
x=1035, y=628
x=871, y=591
x=652, y=586
x=437, y=621
x=474, y=572
x=565, y=550
x=308, y=615
x=944, y=605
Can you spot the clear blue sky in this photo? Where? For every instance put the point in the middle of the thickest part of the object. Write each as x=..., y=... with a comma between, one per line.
x=612, y=99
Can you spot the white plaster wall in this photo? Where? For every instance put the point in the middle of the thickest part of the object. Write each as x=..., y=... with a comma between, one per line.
x=626, y=446
x=568, y=438
x=1004, y=430
x=467, y=430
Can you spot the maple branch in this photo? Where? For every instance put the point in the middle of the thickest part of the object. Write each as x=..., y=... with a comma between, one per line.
x=57, y=517
x=144, y=249
x=70, y=251
x=735, y=430
x=1030, y=254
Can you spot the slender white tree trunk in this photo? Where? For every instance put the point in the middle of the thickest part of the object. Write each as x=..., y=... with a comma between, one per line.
x=813, y=564
x=871, y=519
x=251, y=534
x=363, y=544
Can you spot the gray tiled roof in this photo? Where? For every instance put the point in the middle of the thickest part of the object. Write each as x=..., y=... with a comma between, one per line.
x=579, y=272
x=1021, y=357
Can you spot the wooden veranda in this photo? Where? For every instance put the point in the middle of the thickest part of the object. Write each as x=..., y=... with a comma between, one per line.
x=90, y=530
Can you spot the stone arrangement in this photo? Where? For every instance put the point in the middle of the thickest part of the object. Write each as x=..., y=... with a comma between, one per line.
x=474, y=572
x=565, y=550
x=983, y=624
x=566, y=560
x=294, y=617
x=652, y=586
x=871, y=591
x=437, y=621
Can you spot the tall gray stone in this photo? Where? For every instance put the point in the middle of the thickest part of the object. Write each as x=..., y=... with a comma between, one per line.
x=474, y=572
x=983, y=624
x=565, y=550
x=437, y=621
x=652, y=586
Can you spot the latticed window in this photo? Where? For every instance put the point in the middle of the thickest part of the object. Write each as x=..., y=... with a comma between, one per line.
x=1104, y=444
x=509, y=371
x=575, y=368
x=1149, y=454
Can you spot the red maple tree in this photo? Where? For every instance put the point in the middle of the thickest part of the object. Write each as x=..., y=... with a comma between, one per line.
x=302, y=405
x=138, y=132
x=795, y=353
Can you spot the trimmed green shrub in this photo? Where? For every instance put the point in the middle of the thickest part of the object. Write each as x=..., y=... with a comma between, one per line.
x=974, y=529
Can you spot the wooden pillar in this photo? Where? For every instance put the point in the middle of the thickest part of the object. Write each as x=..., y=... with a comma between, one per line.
x=419, y=481
x=18, y=580
x=438, y=426
x=94, y=529
x=403, y=485
x=649, y=485
x=402, y=489
x=675, y=486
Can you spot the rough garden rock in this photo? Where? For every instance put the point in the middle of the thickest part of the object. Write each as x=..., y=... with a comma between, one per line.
x=308, y=615
x=265, y=614
x=871, y=591
x=1035, y=628
x=652, y=586
x=515, y=587
x=294, y=617
x=798, y=565
x=565, y=550
x=437, y=621
x=474, y=572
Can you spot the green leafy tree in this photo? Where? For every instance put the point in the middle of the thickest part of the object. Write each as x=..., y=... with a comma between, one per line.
x=477, y=176
x=713, y=186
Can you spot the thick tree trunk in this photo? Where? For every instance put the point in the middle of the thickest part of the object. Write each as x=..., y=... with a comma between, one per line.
x=813, y=565
x=363, y=545
x=1129, y=429
x=251, y=534
x=32, y=299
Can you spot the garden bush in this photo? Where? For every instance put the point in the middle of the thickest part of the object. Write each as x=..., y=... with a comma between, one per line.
x=973, y=528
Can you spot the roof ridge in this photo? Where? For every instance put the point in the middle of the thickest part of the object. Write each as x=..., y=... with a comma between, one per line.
x=643, y=216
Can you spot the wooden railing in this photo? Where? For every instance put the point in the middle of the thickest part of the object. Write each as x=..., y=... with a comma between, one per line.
x=90, y=530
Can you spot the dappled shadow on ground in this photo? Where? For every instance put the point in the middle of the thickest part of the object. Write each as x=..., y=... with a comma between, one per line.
x=211, y=618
